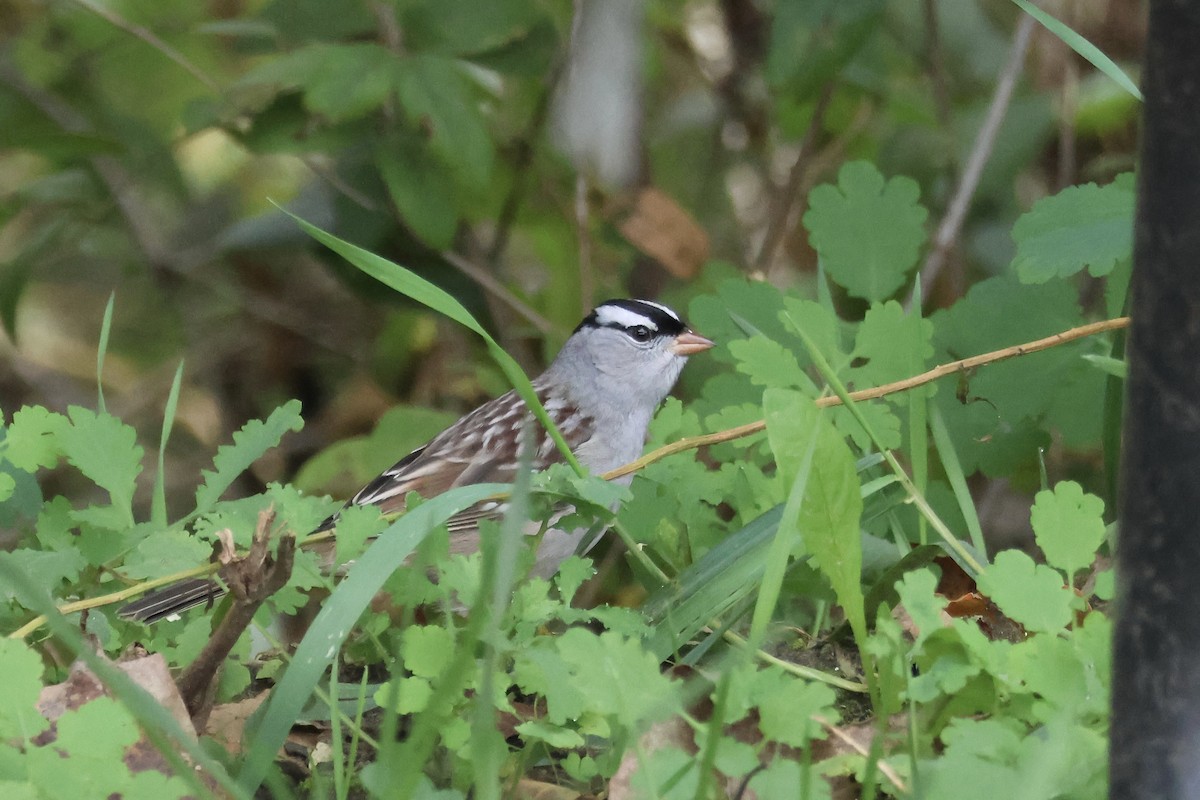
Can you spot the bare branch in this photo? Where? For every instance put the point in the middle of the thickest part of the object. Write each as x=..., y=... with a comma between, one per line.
x=951, y=225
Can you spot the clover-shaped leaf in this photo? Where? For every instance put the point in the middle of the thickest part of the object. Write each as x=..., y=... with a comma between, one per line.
x=868, y=231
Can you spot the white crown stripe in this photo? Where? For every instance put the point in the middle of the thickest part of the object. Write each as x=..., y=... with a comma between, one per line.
x=661, y=308
x=616, y=315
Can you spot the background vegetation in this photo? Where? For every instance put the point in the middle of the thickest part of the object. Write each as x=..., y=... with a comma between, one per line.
x=838, y=193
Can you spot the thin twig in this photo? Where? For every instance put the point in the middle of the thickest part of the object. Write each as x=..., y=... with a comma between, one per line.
x=147, y=36
x=491, y=285
x=780, y=221
x=954, y=367
x=888, y=771
x=951, y=225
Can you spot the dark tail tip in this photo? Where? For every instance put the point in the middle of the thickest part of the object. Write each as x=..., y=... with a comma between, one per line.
x=172, y=599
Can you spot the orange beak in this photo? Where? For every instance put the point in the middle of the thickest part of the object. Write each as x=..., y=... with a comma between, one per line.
x=689, y=343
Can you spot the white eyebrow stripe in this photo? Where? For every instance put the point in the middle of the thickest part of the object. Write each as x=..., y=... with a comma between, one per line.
x=616, y=315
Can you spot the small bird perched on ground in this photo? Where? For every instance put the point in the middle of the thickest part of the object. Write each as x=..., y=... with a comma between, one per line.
x=601, y=391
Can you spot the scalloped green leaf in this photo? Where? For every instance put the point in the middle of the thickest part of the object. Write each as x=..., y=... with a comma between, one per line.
x=255, y=438
x=867, y=230
x=1081, y=227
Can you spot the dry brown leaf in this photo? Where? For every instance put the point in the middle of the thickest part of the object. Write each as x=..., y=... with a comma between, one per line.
x=661, y=229
x=540, y=790
x=227, y=722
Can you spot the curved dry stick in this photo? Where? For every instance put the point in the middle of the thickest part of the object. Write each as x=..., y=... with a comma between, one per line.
x=688, y=443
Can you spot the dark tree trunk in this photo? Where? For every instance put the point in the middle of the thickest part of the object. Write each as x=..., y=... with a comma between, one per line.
x=1155, y=742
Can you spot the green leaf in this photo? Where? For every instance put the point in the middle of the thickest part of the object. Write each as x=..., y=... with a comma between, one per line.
x=1068, y=526
x=31, y=442
x=990, y=414
x=832, y=506
x=105, y=450
x=417, y=185
x=351, y=80
x=553, y=735
x=769, y=363
x=1032, y=594
x=1081, y=226
x=164, y=553
x=787, y=718
x=426, y=649
x=93, y=765
x=465, y=27
x=22, y=669
x=437, y=99
x=892, y=345
x=917, y=592
x=255, y=438
x=411, y=695
x=868, y=232
x=785, y=778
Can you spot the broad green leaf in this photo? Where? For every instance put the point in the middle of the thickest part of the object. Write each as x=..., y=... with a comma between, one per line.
x=811, y=43
x=917, y=593
x=464, y=27
x=32, y=441
x=1068, y=526
x=892, y=345
x=1081, y=226
x=1032, y=594
x=829, y=516
x=409, y=696
x=426, y=649
x=418, y=186
x=255, y=438
x=22, y=669
x=990, y=411
x=437, y=99
x=868, y=231
x=788, y=717
x=164, y=553
x=105, y=450
x=351, y=80
x=769, y=363
x=786, y=778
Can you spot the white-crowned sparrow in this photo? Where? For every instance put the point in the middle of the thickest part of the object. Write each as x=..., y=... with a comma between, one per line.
x=600, y=391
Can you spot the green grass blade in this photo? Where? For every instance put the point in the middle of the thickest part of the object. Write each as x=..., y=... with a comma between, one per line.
x=101, y=349
x=958, y=481
x=158, y=505
x=787, y=535
x=338, y=615
x=1082, y=46
x=412, y=285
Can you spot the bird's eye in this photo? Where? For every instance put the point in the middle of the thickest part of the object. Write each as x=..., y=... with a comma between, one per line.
x=640, y=333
